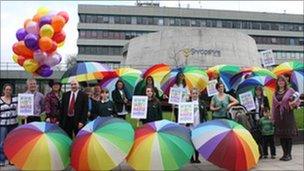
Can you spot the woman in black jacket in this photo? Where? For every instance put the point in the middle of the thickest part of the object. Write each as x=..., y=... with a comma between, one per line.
x=154, y=112
x=120, y=99
x=261, y=102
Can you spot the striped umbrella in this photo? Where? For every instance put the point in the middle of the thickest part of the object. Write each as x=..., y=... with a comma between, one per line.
x=129, y=76
x=38, y=146
x=195, y=78
x=161, y=145
x=295, y=70
x=85, y=71
x=102, y=144
x=226, y=144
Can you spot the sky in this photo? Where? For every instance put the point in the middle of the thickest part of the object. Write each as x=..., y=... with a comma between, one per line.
x=14, y=13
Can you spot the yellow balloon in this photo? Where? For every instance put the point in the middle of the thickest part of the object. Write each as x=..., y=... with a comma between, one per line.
x=46, y=31
x=15, y=58
x=43, y=11
x=60, y=44
x=30, y=65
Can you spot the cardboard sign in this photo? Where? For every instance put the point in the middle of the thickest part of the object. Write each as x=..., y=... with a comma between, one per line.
x=25, y=104
x=139, y=107
x=211, y=90
x=175, y=95
x=267, y=58
x=247, y=100
x=186, y=113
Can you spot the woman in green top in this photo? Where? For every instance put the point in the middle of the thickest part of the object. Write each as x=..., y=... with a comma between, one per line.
x=221, y=102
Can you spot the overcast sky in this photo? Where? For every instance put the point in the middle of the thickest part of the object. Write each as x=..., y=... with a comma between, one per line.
x=14, y=13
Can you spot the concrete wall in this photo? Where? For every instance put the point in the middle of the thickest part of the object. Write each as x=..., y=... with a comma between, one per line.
x=168, y=46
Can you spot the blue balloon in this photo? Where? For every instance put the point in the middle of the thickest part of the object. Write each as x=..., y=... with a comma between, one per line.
x=20, y=34
x=31, y=41
x=45, y=20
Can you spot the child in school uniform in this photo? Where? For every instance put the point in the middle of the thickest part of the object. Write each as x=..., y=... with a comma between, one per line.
x=267, y=129
x=154, y=111
x=104, y=107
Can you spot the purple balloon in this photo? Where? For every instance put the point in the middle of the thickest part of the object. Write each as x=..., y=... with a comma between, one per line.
x=40, y=56
x=31, y=41
x=45, y=20
x=20, y=34
x=56, y=58
x=44, y=71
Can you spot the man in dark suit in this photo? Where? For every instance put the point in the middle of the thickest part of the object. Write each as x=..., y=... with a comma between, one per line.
x=74, y=109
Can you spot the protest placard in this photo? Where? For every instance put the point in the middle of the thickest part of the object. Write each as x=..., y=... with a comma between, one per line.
x=267, y=58
x=211, y=89
x=246, y=100
x=139, y=107
x=186, y=112
x=25, y=104
x=175, y=95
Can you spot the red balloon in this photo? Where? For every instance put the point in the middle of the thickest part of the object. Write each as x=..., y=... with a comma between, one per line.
x=20, y=49
x=53, y=49
x=65, y=15
x=59, y=37
x=58, y=23
x=45, y=43
x=20, y=60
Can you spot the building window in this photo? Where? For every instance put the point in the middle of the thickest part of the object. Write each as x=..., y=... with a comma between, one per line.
x=160, y=21
x=236, y=24
x=256, y=25
x=227, y=24
x=82, y=18
x=265, y=26
x=274, y=26
x=218, y=23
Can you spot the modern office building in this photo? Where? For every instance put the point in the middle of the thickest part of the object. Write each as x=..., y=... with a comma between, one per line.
x=105, y=30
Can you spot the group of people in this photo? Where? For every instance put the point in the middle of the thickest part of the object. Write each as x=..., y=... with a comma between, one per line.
x=73, y=109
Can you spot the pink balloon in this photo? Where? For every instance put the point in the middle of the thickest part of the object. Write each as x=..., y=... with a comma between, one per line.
x=53, y=59
x=32, y=27
x=40, y=56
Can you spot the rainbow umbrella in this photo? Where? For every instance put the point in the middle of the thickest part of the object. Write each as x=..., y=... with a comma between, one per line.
x=195, y=78
x=85, y=71
x=226, y=144
x=224, y=72
x=160, y=145
x=102, y=144
x=38, y=146
x=129, y=76
x=249, y=72
x=295, y=70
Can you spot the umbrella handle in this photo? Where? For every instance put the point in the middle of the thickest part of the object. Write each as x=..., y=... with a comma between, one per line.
x=172, y=113
x=137, y=124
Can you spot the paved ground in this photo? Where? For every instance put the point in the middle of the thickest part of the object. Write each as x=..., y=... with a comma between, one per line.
x=297, y=163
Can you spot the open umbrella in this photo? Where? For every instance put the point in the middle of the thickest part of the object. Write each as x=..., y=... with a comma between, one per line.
x=38, y=146
x=295, y=70
x=161, y=145
x=224, y=72
x=85, y=71
x=226, y=144
x=102, y=144
x=129, y=76
x=195, y=77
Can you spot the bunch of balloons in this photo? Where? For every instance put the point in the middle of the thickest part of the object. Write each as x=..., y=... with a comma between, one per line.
x=38, y=40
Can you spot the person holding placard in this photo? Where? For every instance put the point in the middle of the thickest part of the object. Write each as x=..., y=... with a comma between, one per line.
x=180, y=83
x=154, y=111
x=52, y=102
x=39, y=104
x=284, y=120
x=221, y=102
x=261, y=102
x=120, y=99
x=104, y=107
x=8, y=117
x=149, y=82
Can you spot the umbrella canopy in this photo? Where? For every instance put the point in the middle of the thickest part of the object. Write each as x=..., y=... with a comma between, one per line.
x=295, y=70
x=129, y=76
x=102, y=144
x=160, y=145
x=226, y=144
x=224, y=72
x=249, y=72
x=195, y=78
x=38, y=146
x=85, y=71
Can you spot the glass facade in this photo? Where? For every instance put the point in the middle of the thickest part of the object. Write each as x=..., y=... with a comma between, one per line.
x=100, y=50
x=189, y=22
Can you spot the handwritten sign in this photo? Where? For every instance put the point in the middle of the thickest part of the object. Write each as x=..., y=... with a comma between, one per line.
x=211, y=89
x=267, y=58
x=139, y=107
x=175, y=95
x=25, y=104
x=246, y=100
x=186, y=113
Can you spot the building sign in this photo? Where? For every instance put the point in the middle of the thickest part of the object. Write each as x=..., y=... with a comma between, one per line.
x=267, y=58
x=204, y=52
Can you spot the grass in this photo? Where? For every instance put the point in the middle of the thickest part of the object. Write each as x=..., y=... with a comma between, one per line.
x=299, y=116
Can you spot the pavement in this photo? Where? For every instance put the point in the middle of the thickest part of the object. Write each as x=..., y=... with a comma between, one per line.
x=297, y=163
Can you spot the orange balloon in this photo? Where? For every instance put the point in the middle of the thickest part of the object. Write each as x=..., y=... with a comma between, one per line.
x=25, y=22
x=45, y=43
x=20, y=49
x=37, y=17
x=54, y=47
x=58, y=23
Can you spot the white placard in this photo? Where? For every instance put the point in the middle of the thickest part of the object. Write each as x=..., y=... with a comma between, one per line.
x=246, y=100
x=139, y=107
x=25, y=104
x=175, y=95
x=267, y=58
x=211, y=89
x=186, y=113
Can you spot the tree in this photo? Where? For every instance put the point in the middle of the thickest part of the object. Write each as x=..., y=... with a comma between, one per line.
x=71, y=61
